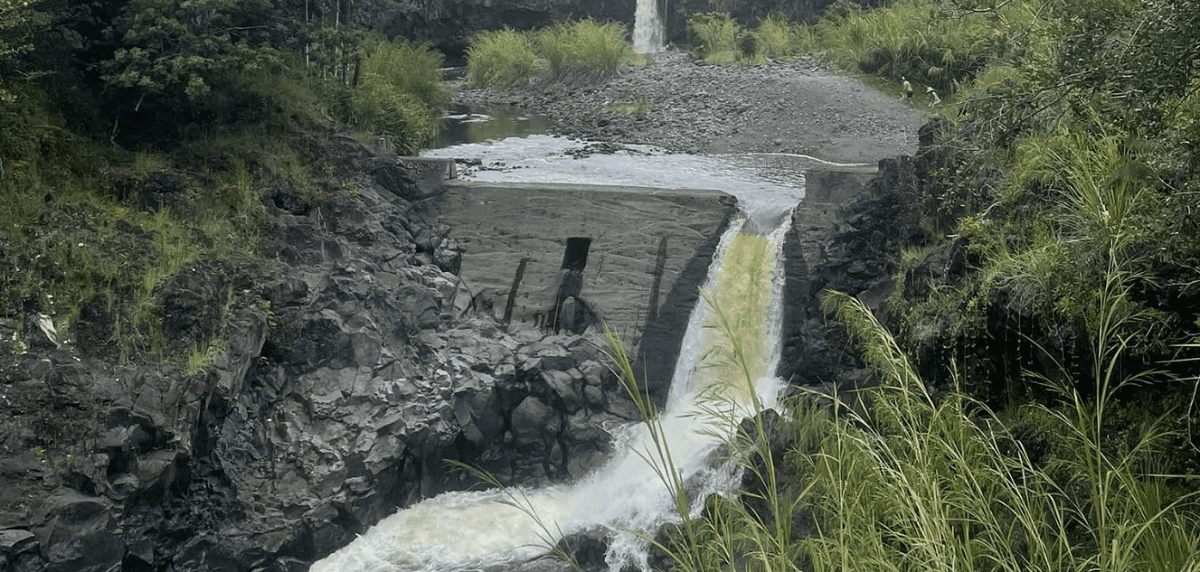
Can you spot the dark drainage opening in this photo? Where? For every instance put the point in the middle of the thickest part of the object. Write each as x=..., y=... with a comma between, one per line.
x=570, y=313
x=575, y=257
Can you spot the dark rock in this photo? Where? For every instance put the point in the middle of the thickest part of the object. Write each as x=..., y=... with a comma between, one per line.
x=844, y=234
x=19, y=552
x=586, y=549
x=77, y=533
x=534, y=424
x=192, y=305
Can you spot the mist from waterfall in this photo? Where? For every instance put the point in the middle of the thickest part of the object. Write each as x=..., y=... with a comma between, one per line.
x=626, y=497
x=648, y=30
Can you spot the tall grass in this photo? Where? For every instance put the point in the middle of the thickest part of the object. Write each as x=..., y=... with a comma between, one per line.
x=582, y=50
x=717, y=38
x=931, y=43
x=399, y=95
x=897, y=478
x=585, y=48
x=502, y=59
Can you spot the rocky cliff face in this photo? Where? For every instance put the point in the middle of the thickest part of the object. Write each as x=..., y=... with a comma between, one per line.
x=349, y=370
x=845, y=234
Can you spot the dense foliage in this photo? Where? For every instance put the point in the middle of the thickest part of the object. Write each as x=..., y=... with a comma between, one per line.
x=1036, y=409
x=141, y=137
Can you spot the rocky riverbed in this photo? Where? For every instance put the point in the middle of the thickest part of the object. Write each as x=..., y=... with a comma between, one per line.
x=796, y=107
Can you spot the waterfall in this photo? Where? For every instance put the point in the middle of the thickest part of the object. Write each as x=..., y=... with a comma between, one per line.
x=647, y=28
x=475, y=530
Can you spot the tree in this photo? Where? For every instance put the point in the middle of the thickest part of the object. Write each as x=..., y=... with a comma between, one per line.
x=18, y=21
x=180, y=49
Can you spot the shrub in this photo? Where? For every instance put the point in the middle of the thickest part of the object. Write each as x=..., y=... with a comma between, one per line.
x=716, y=37
x=398, y=94
x=506, y=59
x=584, y=47
x=777, y=37
x=502, y=59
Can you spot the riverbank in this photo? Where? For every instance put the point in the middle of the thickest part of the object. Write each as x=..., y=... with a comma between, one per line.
x=689, y=106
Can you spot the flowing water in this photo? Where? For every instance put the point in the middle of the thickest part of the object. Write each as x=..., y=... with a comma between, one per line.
x=648, y=32
x=709, y=394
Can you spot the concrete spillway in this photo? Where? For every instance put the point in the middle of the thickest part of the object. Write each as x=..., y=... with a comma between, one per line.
x=711, y=390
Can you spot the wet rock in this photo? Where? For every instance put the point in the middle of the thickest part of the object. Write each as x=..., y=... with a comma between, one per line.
x=534, y=423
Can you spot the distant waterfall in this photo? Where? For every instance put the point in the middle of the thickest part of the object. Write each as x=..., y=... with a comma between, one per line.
x=626, y=497
x=648, y=30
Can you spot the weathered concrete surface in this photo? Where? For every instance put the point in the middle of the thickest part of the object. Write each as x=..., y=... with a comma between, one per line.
x=649, y=254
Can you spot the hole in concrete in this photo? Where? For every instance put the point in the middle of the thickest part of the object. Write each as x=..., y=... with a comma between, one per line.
x=575, y=256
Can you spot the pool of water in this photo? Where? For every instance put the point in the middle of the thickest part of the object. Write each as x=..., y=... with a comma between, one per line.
x=465, y=124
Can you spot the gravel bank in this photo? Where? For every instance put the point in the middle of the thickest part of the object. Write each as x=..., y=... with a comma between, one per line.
x=695, y=107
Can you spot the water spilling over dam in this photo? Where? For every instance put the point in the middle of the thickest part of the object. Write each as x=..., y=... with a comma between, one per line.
x=711, y=390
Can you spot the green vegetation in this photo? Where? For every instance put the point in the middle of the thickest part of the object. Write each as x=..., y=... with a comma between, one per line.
x=578, y=51
x=1035, y=410
x=640, y=107
x=502, y=59
x=129, y=155
x=718, y=39
x=900, y=478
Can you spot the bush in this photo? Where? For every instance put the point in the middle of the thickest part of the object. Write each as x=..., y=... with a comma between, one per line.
x=716, y=37
x=926, y=41
x=408, y=68
x=393, y=89
x=505, y=59
x=502, y=59
x=777, y=37
x=585, y=47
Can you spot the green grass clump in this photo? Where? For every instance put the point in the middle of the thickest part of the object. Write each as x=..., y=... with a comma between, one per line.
x=717, y=38
x=583, y=50
x=778, y=37
x=640, y=107
x=584, y=47
x=399, y=94
x=502, y=59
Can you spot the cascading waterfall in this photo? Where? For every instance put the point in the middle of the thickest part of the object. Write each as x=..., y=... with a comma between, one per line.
x=709, y=394
x=647, y=28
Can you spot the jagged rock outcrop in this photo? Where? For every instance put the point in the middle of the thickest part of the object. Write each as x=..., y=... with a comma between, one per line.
x=845, y=234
